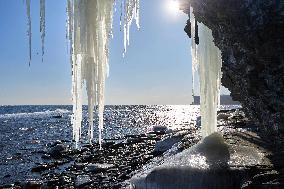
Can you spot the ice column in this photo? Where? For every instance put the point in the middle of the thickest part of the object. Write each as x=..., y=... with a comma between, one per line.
x=207, y=57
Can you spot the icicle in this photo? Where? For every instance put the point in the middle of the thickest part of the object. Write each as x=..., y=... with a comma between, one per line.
x=209, y=60
x=69, y=27
x=42, y=25
x=29, y=31
x=193, y=50
x=131, y=12
x=206, y=59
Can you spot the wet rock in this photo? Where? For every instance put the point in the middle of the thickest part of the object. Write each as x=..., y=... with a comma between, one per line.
x=54, y=143
x=82, y=180
x=64, y=179
x=7, y=186
x=32, y=184
x=46, y=156
x=134, y=140
x=96, y=168
x=79, y=166
x=57, y=150
x=166, y=144
x=52, y=183
x=41, y=168
x=160, y=129
x=57, y=116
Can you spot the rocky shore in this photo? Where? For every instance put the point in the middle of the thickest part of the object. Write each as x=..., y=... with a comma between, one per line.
x=118, y=160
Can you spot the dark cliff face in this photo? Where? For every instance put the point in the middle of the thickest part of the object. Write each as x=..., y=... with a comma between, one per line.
x=250, y=35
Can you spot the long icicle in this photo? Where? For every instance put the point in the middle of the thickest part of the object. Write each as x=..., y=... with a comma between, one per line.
x=131, y=12
x=42, y=26
x=194, y=48
x=29, y=31
x=209, y=58
x=206, y=59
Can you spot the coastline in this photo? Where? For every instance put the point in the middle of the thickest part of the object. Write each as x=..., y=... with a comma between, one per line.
x=119, y=160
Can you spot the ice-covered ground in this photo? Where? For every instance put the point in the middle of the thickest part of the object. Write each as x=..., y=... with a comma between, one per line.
x=208, y=164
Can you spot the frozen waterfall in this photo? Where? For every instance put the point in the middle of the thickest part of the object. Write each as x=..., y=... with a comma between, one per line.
x=206, y=60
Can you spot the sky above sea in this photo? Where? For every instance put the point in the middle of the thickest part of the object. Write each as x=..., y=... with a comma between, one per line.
x=155, y=70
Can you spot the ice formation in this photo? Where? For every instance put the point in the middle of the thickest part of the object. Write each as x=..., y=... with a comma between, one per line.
x=131, y=12
x=201, y=166
x=89, y=28
x=194, y=48
x=29, y=31
x=89, y=31
x=42, y=25
x=206, y=59
x=90, y=25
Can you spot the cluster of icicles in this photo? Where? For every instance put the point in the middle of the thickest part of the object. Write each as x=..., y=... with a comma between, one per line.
x=89, y=29
x=207, y=61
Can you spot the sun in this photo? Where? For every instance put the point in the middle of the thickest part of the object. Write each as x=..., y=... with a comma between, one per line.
x=173, y=6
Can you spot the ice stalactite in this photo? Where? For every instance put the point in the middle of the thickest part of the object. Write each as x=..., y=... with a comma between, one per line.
x=131, y=12
x=42, y=25
x=206, y=58
x=194, y=48
x=90, y=26
x=29, y=31
x=210, y=62
x=89, y=31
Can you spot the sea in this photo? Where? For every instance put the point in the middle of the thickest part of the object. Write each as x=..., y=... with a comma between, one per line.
x=27, y=131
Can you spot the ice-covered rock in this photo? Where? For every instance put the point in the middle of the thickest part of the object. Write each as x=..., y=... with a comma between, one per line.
x=165, y=144
x=205, y=165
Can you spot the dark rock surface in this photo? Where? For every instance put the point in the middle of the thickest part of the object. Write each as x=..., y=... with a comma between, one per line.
x=250, y=35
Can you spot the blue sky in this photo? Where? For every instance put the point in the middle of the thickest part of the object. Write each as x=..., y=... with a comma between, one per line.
x=156, y=69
